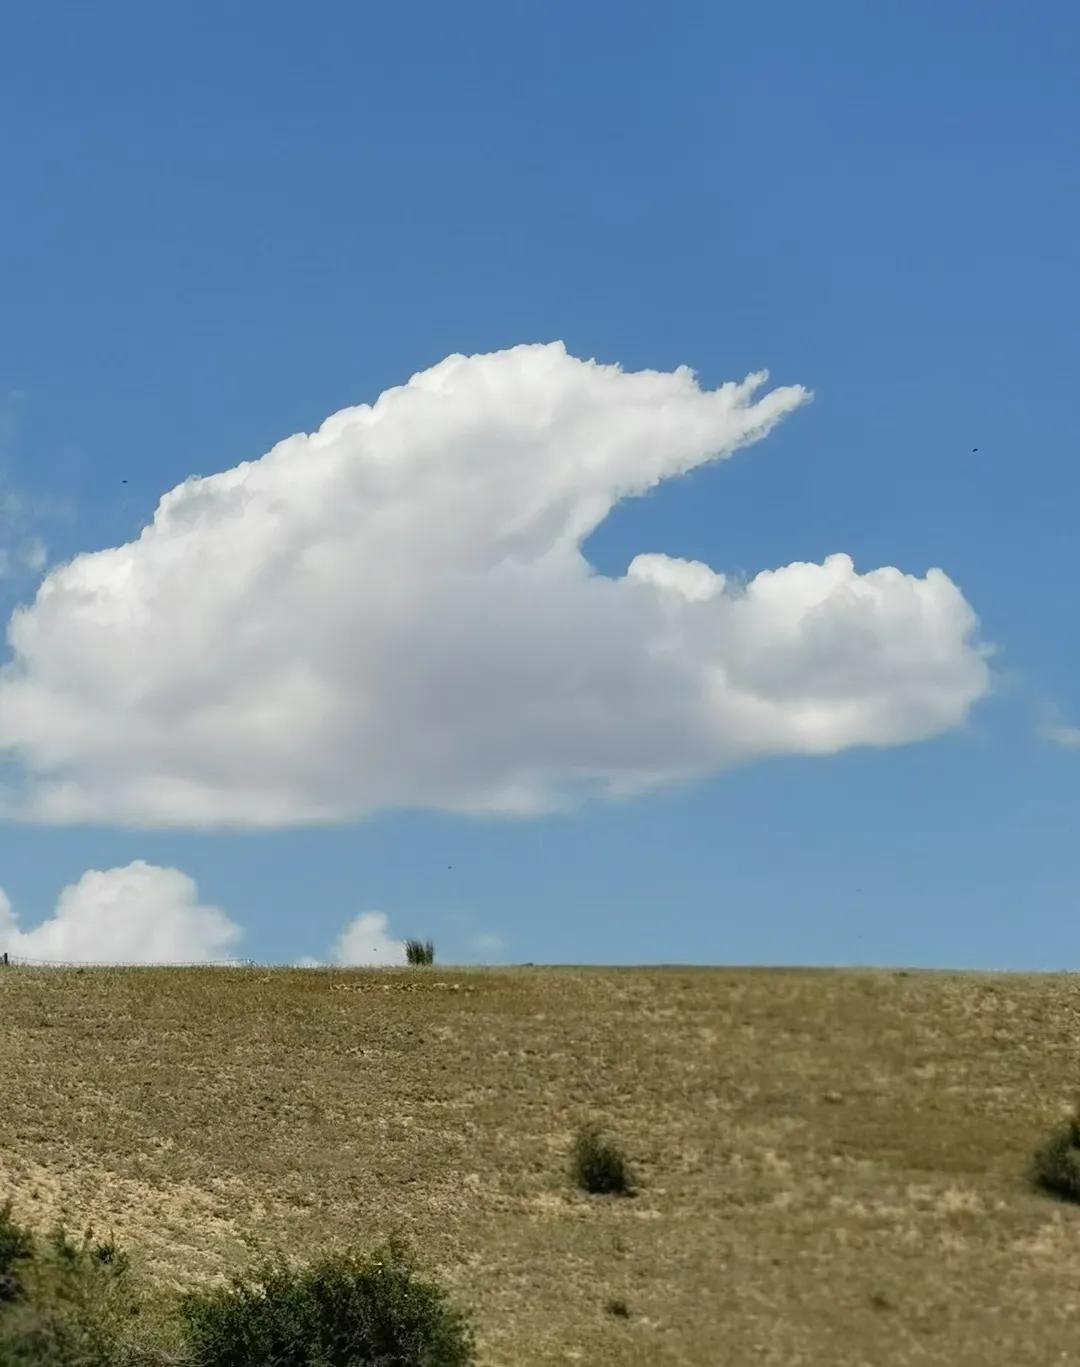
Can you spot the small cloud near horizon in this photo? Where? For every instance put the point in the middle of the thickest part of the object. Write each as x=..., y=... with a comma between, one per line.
x=141, y=913
x=148, y=914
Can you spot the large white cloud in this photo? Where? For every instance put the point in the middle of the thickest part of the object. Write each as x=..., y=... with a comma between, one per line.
x=395, y=611
x=135, y=915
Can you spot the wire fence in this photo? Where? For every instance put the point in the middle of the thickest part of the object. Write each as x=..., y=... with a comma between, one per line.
x=9, y=960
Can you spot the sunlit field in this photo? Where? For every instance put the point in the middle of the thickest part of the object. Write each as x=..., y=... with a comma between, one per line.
x=830, y=1166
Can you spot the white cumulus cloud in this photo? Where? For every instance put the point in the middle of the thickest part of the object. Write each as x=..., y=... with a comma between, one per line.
x=142, y=913
x=395, y=611
x=366, y=941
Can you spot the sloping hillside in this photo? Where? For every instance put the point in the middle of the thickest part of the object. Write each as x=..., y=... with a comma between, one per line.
x=831, y=1163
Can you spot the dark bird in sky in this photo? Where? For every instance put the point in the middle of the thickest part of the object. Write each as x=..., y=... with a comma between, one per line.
x=974, y=449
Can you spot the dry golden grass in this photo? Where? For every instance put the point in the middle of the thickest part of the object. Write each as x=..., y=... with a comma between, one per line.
x=831, y=1164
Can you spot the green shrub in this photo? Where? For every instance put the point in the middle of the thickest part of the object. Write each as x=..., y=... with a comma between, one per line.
x=66, y=1304
x=598, y=1166
x=419, y=952
x=343, y=1310
x=71, y=1303
x=1055, y=1166
x=16, y=1248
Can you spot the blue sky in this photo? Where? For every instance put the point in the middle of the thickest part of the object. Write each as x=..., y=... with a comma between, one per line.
x=221, y=226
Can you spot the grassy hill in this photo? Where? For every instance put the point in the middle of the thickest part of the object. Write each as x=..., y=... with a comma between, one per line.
x=831, y=1163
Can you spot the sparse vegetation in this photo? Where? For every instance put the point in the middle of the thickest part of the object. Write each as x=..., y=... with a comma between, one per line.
x=209, y=1115
x=599, y=1166
x=419, y=952
x=344, y=1310
x=1055, y=1166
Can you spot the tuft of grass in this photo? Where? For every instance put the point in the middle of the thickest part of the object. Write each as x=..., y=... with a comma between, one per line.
x=343, y=1310
x=599, y=1166
x=419, y=952
x=1055, y=1165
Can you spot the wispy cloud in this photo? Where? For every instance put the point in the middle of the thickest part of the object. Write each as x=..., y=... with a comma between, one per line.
x=1052, y=724
x=1059, y=734
x=29, y=556
x=22, y=550
x=488, y=946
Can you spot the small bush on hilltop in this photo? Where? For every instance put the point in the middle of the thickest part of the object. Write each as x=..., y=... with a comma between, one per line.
x=599, y=1167
x=1055, y=1166
x=419, y=952
x=342, y=1311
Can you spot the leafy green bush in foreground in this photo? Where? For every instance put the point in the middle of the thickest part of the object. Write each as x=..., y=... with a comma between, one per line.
x=67, y=1304
x=342, y=1311
x=62, y=1304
